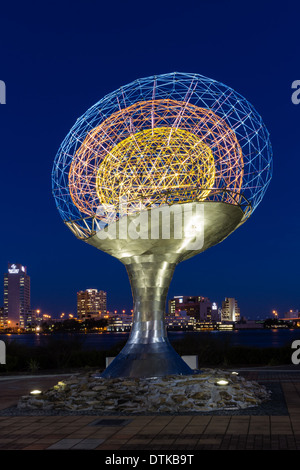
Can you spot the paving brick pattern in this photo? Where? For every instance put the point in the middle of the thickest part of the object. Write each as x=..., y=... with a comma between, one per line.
x=155, y=433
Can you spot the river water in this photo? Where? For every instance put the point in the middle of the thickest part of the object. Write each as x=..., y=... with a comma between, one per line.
x=261, y=338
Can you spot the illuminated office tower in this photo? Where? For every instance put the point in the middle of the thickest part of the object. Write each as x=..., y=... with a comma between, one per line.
x=197, y=307
x=91, y=303
x=230, y=310
x=16, y=296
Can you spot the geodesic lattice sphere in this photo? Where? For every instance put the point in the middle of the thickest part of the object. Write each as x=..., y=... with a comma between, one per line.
x=165, y=139
x=140, y=175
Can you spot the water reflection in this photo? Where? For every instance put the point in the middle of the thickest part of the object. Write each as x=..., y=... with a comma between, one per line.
x=261, y=338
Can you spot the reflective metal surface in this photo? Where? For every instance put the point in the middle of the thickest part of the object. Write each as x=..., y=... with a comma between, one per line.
x=150, y=246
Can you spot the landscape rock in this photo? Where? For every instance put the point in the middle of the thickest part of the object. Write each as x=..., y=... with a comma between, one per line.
x=171, y=394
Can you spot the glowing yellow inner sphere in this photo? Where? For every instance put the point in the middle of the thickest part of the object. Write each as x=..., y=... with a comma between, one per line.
x=156, y=165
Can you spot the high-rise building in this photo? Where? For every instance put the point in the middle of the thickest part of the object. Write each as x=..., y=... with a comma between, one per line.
x=16, y=296
x=91, y=303
x=230, y=310
x=197, y=307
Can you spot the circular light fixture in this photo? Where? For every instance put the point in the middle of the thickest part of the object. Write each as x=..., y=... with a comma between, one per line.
x=35, y=392
x=222, y=382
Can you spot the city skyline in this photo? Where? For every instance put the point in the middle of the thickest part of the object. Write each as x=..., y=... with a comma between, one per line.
x=101, y=298
x=258, y=264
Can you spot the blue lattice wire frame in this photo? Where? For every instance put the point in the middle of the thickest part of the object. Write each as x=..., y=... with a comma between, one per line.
x=190, y=90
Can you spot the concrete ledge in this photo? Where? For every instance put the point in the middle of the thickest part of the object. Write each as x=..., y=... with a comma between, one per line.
x=108, y=360
x=192, y=361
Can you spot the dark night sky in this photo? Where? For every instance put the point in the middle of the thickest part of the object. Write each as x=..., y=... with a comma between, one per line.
x=59, y=58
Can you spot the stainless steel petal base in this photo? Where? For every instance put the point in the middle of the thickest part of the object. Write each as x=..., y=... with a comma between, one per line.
x=147, y=360
x=150, y=263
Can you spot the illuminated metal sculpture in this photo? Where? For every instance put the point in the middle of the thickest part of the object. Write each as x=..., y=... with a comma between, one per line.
x=153, y=174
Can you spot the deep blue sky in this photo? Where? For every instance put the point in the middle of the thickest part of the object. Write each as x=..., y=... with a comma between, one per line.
x=59, y=58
